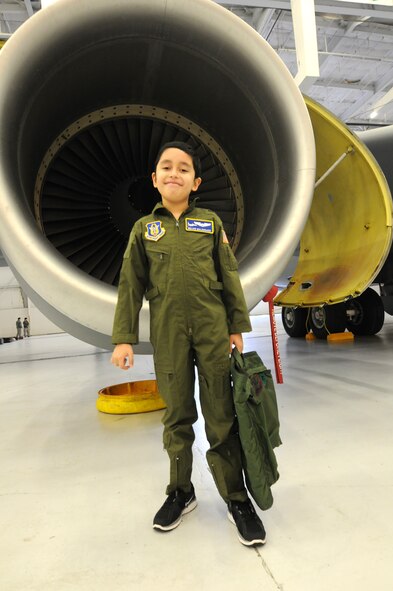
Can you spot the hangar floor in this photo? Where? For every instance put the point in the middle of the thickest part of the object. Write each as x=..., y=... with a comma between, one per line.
x=79, y=488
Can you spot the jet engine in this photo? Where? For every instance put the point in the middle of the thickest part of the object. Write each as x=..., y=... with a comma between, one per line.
x=89, y=92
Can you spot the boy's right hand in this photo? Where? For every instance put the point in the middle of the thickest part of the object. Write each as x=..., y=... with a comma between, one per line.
x=121, y=354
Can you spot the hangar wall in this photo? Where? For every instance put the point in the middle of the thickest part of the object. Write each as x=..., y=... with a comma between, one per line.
x=14, y=303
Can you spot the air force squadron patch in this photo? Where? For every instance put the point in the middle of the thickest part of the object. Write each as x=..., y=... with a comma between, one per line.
x=154, y=231
x=204, y=226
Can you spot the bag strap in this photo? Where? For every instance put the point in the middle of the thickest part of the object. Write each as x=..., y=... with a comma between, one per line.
x=238, y=357
x=240, y=363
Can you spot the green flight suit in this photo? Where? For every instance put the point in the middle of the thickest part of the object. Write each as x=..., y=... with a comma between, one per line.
x=189, y=276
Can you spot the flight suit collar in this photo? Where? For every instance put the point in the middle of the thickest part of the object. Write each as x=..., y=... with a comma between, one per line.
x=160, y=209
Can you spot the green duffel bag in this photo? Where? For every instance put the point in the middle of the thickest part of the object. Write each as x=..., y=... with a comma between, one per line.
x=257, y=413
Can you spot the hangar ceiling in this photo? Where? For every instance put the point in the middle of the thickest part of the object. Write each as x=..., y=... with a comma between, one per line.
x=355, y=50
x=355, y=53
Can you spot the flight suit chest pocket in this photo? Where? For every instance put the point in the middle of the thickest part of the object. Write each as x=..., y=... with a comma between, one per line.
x=158, y=265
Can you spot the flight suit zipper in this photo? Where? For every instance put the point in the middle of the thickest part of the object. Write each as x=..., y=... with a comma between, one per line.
x=189, y=329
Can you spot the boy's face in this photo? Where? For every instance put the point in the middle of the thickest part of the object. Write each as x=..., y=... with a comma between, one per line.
x=175, y=176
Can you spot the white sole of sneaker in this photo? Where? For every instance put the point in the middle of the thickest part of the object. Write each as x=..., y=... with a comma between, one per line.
x=241, y=539
x=186, y=510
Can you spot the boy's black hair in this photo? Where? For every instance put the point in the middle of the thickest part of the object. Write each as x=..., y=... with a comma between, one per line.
x=185, y=148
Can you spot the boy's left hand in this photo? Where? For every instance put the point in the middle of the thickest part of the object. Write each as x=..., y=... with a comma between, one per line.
x=236, y=340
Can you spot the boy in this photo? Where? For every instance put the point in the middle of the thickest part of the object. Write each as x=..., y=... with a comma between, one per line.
x=179, y=258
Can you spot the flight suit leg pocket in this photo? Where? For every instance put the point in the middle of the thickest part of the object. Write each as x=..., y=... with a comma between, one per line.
x=216, y=385
x=178, y=435
x=181, y=411
x=222, y=382
x=166, y=382
x=218, y=474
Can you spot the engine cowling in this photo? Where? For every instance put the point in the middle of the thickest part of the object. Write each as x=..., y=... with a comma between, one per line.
x=89, y=92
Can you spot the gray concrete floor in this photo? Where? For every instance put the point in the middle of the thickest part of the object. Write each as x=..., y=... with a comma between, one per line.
x=79, y=488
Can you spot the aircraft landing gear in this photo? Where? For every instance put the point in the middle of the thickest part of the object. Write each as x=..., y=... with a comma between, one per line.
x=365, y=314
x=294, y=321
x=328, y=319
x=321, y=320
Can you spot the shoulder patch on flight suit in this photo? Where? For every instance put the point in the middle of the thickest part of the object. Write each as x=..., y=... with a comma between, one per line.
x=154, y=231
x=196, y=225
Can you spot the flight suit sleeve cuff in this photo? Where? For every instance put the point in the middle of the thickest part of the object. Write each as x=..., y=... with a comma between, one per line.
x=240, y=327
x=120, y=338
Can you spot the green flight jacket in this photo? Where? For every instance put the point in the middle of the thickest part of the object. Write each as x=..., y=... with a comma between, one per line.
x=257, y=413
x=187, y=273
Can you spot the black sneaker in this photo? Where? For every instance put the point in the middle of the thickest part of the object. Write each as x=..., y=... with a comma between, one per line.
x=249, y=527
x=177, y=504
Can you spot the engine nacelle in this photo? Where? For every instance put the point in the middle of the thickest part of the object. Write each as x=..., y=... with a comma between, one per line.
x=89, y=91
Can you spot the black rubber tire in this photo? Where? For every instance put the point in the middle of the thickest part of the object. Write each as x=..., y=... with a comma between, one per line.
x=328, y=319
x=294, y=321
x=367, y=313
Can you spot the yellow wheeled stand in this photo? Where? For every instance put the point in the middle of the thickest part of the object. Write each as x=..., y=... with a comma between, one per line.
x=131, y=397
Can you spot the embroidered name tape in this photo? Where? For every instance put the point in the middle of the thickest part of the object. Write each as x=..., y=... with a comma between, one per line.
x=154, y=231
x=204, y=226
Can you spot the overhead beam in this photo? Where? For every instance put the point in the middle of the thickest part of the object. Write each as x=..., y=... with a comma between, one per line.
x=261, y=20
x=355, y=56
x=29, y=8
x=285, y=4
x=340, y=8
x=12, y=8
x=4, y=24
x=375, y=2
x=305, y=32
x=345, y=85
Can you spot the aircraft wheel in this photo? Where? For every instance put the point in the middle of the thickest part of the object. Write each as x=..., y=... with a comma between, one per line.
x=327, y=320
x=365, y=314
x=294, y=321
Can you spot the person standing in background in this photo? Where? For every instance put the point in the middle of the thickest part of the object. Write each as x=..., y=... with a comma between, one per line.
x=19, y=329
x=26, y=328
